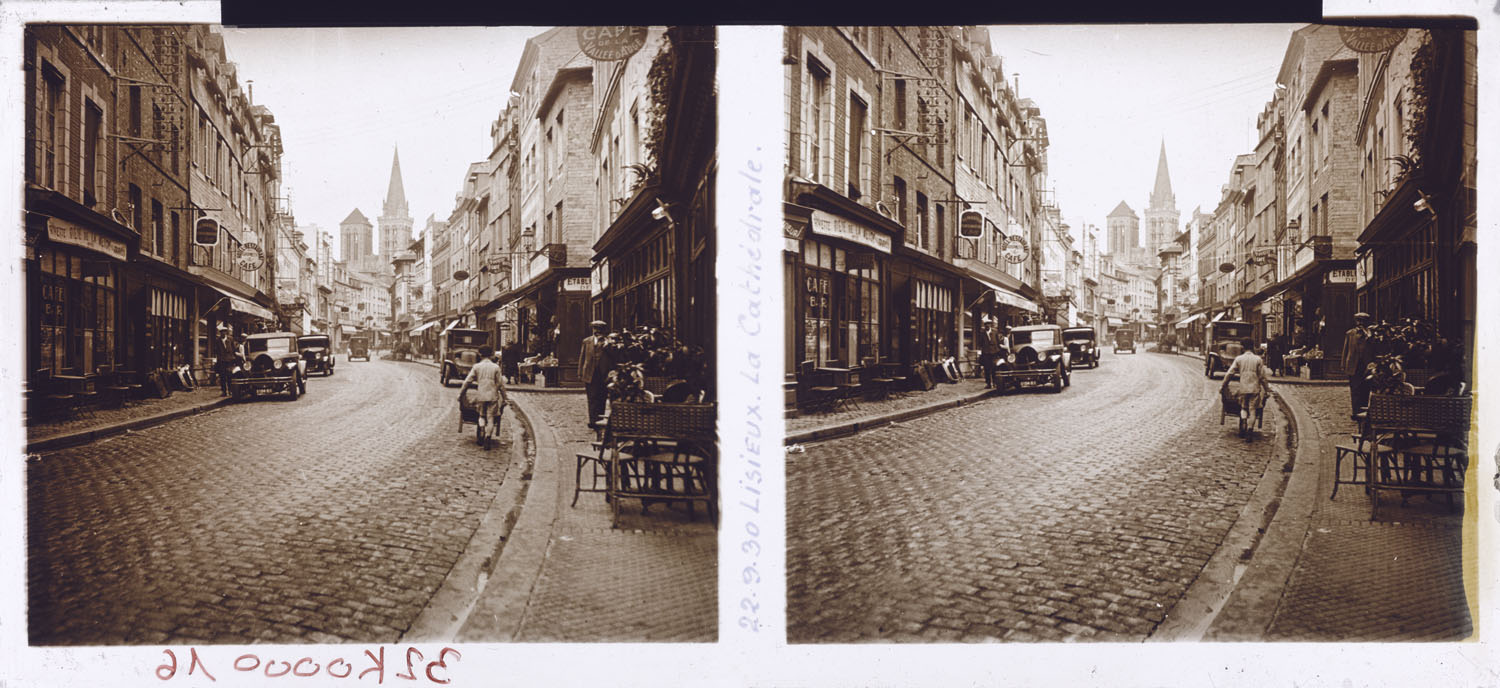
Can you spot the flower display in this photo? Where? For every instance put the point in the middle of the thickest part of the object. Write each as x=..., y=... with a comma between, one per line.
x=635, y=354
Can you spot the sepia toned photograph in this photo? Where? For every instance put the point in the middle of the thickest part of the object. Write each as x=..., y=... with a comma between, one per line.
x=1130, y=333
x=376, y=335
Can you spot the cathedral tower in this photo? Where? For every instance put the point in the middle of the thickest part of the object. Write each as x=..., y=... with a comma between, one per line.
x=354, y=239
x=1161, y=213
x=1124, y=228
x=395, y=220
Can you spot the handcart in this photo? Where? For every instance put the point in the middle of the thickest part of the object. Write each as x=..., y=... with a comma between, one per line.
x=468, y=413
x=1230, y=406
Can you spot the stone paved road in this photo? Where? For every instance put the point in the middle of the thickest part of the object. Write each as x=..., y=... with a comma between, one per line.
x=331, y=518
x=1034, y=516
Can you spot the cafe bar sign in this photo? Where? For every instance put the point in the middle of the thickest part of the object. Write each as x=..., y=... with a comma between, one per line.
x=65, y=232
x=831, y=225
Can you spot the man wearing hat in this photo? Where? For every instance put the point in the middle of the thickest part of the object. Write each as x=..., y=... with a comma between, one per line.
x=224, y=357
x=593, y=369
x=1358, y=355
x=989, y=348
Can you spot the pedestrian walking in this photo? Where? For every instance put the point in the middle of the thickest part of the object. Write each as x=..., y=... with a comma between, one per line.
x=593, y=369
x=989, y=349
x=1252, y=387
x=510, y=362
x=489, y=391
x=1357, y=357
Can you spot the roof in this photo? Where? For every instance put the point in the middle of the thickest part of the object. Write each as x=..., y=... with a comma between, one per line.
x=395, y=194
x=1161, y=193
x=269, y=335
x=356, y=217
x=1121, y=209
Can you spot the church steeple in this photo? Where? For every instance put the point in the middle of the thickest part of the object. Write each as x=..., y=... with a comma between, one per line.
x=1161, y=194
x=395, y=194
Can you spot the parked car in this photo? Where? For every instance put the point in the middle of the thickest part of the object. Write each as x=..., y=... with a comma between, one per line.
x=1033, y=356
x=460, y=351
x=317, y=353
x=1221, y=340
x=1082, y=346
x=359, y=347
x=1124, y=341
x=271, y=363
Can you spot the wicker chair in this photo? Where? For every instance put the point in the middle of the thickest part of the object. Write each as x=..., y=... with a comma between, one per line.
x=1427, y=437
x=662, y=453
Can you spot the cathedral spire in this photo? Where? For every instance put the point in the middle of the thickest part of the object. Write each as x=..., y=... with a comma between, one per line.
x=1161, y=194
x=395, y=195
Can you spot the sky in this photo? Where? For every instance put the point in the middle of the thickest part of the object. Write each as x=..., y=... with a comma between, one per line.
x=1112, y=95
x=347, y=99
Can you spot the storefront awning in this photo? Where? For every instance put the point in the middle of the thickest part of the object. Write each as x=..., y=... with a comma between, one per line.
x=451, y=326
x=246, y=306
x=348, y=329
x=1192, y=318
x=1115, y=322
x=1009, y=298
x=424, y=326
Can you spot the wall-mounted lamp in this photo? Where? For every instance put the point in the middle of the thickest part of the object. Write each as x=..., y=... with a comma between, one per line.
x=1423, y=204
x=661, y=212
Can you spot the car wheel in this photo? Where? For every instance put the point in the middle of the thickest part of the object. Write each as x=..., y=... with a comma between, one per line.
x=291, y=390
x=1057, y=380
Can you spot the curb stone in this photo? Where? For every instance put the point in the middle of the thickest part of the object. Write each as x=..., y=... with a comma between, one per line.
x=1248, y=613
x=857, y=425
x=500, y=610
x=80, y=437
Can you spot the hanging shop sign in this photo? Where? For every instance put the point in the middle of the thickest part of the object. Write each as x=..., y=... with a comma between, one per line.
x=65, y=232
x=611, y=43
x=1371, y=39
x=1015, y=250
x=577, y=284
x=1341, y=276
x=831, y=225
x=251, y=256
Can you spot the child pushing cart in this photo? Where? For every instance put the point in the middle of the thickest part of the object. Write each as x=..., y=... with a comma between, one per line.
x=485, y=406
x=1245, y=388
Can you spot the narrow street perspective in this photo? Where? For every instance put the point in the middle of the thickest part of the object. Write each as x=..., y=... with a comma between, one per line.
x=1031, y=396
x=494, y=425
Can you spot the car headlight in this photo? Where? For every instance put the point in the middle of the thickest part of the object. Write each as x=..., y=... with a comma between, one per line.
x=278, y=364
x=1010, y=358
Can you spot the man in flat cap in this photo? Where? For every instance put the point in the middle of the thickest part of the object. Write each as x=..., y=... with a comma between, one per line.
x=593, y=370
x=1357, y=356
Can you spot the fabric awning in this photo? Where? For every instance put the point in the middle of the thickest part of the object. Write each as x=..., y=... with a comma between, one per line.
x=1115, y=321
x=246, y=306
x=1008, y=297
x=424, y=326
x=348, y=329
x=1192, y=318
x=451, y=326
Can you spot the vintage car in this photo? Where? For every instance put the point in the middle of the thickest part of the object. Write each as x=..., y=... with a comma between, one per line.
x=1124, y=341
x=1033, y=356
x=359, y=347
x=1082, y=346
x=271, y=363
x=317, y=353
x=1221, y=344
x=459, y=352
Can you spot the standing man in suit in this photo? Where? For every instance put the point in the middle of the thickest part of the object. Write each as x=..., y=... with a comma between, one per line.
x=989, y=348
x=593, y=369
x=1357, y=356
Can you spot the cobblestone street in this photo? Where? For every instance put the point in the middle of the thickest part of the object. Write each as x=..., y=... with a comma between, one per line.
x=1083, y=515
x=331, y=518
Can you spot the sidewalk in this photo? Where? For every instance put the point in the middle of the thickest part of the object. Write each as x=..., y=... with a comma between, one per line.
x=86, y=427
x=652, y=580
x=868, y=414
x=566, y=576
x=1399, y=578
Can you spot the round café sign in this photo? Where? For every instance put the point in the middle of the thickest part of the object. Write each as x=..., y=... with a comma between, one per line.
x=1015, y=249
x=251, y=257
x=611, y=43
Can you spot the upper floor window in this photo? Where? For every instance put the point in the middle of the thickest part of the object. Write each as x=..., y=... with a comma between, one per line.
x=50, y=128
x=817, y=124
x=858, y=116
x=93, y=121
